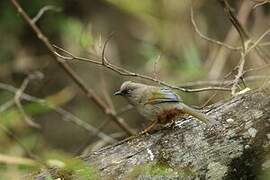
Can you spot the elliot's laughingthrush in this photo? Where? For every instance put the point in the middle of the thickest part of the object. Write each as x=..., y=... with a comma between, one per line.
x=159, y=104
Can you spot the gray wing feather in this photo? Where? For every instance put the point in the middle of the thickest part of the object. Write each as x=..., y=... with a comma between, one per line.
x=164, y=95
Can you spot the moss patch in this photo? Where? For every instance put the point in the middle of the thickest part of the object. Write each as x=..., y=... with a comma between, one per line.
x=160, y=170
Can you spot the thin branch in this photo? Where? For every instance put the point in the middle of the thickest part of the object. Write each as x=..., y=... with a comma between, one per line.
x=155, y=66
x=245, y=41
x=219, y=43
x=30, y=154
x=6, y=159
x=67, y=116
x=71, y=73
x=224, y=82
x=125, y=72
x=207, y=38
x=17, y=100
x=262, y=54
x=43, y=10
x=256, y=43
x=256, y=69
x=103, y=57
x=260, y=3
x=7, y=105
x=102, y=76
x=264, y=44
x=239, y=74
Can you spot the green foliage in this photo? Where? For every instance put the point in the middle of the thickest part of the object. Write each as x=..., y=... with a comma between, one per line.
x=135, y=7
x=151, y=170
x=161, y=170
x=13, y=117
x=265, y=173
x=192, y=66
x=70, y=166
x=73, y=30
x=16, y=171
x=9, y=23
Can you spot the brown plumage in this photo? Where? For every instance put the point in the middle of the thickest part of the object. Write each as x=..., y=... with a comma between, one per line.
x=169, y=115
x=158, y=104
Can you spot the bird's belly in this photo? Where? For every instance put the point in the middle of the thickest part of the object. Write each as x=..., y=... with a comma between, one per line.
x=162, y=111
x=148, y=111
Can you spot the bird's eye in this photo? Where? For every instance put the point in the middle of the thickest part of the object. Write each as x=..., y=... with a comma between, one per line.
x=126, y=91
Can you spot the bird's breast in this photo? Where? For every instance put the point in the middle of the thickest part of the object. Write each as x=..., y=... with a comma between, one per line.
x=148, y=111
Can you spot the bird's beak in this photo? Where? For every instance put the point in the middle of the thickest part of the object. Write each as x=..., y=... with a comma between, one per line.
x=117, y=93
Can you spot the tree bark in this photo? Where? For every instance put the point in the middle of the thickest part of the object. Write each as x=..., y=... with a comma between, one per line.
x=235, y=149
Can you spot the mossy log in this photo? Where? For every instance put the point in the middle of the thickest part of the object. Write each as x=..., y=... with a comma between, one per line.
x=238, y=148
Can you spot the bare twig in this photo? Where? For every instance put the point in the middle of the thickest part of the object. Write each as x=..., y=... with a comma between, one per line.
x=231, y=38
x=263, y=54
x=103, y=84
x=86, y=126
x=67, y=116
x=260, y=52
x=10, y=134
x=256, y=69
x=207, y=38
x=256, y=43
x=239, y=74
x=155, y=66
x=260, y=3
x=264, y=44
x=43, y=10
x=6, y=105
x=224, y=82
x=104, y=48
x=125, y=72
x=6, y=159
x=245, y=41
x=17, y=100
x=89, y=92
x=230, y=47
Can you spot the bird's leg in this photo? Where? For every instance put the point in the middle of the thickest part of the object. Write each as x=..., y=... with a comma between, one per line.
x=146, y=130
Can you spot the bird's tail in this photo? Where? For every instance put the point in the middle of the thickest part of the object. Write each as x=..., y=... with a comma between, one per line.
x=195, y=113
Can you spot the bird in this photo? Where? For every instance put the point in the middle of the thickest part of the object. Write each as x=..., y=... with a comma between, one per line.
x=157, y=104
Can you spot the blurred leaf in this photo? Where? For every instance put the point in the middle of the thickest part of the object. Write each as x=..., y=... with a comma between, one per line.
x=74, y=31
x=148, y=51
x=13, y=160
x=192, y=60
x=9, y=22
x=4, y=97
x=13, y=118
x=78, y=168
x=135, y=7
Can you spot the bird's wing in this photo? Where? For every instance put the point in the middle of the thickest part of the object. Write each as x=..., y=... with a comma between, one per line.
x=162, y=95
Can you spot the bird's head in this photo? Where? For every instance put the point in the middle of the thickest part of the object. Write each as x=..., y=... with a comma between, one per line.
x=131, y=91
